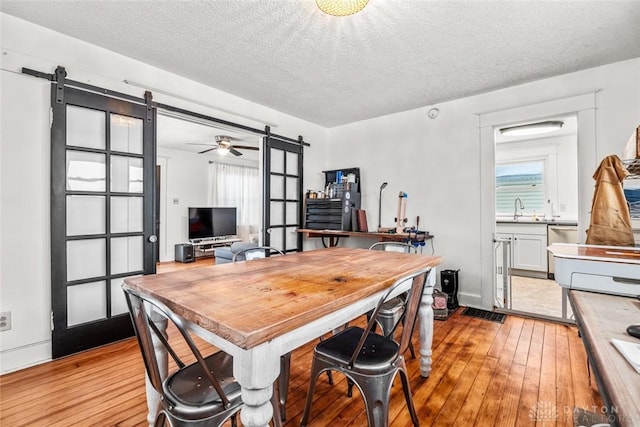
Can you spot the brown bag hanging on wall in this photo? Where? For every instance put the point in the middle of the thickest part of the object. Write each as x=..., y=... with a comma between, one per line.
x=610, y=218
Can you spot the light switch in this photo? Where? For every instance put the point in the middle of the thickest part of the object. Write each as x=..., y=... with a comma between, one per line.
x=176, y=201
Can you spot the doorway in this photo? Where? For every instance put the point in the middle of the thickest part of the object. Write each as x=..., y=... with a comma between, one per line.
x=584, y=108
x=190, y=157
x=536, y=192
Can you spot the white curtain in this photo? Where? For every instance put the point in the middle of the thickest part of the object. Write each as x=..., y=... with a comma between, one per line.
x=239, y=187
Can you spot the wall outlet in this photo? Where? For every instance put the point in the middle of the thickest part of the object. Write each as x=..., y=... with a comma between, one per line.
x=5, y=321
x=176, y=201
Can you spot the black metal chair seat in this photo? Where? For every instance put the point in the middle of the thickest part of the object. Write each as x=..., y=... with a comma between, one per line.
x=378, y=352
x=191, y=396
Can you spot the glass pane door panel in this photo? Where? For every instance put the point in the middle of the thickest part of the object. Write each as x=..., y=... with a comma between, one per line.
x=292, y=212
x=126, y=134
x=126, y=214
x=85, y=127
x=126, y=174
x=277, y=213
x=86, y=258
x=118, y=300
x=86, y=303
x=126, y=254
x=85, y=171
x=292, y=163
x=291, y=238
x=276, y=239
x=277, y=187
x=86, y=215
x=292, y=188
x=277, y=161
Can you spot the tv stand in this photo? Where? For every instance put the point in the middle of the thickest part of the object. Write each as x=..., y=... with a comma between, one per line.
x=204, y=248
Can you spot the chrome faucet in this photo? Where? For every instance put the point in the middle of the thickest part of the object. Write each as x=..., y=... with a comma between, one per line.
x=515, y=208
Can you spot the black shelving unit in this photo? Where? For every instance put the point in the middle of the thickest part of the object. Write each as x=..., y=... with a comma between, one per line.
x=336, y=211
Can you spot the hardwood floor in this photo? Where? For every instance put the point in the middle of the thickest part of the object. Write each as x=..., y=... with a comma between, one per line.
x=524, y=372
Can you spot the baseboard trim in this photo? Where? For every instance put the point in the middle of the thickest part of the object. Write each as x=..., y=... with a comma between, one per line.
x=26, y=356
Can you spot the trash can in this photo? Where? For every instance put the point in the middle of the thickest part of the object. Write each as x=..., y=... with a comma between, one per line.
x=449, y=283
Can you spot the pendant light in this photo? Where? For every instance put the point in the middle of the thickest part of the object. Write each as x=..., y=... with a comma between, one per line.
x=341, y=7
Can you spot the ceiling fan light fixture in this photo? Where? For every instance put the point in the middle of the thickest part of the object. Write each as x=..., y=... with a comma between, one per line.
x=532, y=128
x=224, y=144
x=341, y=7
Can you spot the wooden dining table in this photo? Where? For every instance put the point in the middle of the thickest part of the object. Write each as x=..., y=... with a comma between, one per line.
x=260, y=310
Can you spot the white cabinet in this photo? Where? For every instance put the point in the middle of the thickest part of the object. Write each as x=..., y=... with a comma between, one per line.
x=528, y=245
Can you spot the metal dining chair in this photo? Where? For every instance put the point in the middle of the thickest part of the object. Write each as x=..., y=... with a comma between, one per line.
x=203, y=392
x=393, y=310
x=255, y=252
x=369, y=360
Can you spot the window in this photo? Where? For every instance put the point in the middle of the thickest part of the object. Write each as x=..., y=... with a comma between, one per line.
x=239, y=187
x=524, y=180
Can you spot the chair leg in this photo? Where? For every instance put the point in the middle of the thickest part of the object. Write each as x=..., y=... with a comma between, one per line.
x=411, y=349
x=277, y=411
x=329, y=377
x=406, y=387
x=376, y=393
x=283, y=383
x=162, y=419
x=316, y=370
x=413, y=352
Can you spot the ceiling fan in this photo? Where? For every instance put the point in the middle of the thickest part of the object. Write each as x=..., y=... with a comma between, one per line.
x=223, y=145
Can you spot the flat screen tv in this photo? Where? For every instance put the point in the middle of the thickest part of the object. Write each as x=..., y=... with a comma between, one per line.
x=205, y=223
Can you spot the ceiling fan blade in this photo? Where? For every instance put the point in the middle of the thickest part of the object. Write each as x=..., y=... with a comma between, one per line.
x=207, y=150
x=235, y=152
x=246, y=147
x=200, y=143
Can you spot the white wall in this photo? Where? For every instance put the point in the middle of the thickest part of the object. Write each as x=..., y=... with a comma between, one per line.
x=439, y=162
x=25, y=271
x=24, y=156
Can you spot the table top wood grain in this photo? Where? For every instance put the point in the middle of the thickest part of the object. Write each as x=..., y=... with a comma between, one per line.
x=249, y=303
x=600, y=318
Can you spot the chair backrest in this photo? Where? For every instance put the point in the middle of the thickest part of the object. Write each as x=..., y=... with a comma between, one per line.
x=256, y=252
x=145, y=328
x=394, y=247
x=412, y=304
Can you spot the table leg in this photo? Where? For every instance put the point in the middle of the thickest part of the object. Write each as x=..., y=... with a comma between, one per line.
x=425, y=312
x=565, y=297
x=256, y=370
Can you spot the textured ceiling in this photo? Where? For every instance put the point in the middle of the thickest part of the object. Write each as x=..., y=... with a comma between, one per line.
x=393, y=56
